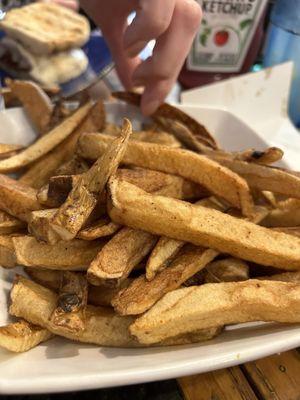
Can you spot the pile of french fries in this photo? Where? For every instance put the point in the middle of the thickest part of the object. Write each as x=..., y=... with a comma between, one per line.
x=146, y=238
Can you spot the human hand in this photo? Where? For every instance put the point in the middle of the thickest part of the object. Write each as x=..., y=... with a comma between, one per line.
x=72, y=4
x=172, y=23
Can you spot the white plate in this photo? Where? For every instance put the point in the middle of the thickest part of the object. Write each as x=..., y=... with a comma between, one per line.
x=60, y=365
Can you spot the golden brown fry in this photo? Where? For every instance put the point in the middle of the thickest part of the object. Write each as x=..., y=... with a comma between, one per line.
x=97, y=295
x=142, y=294
x=226, y=270
x=59, y=188
x=38, y=225
x=8, y=150
x=72, y=301
x=22, y=336
x=163, y=138
x=199, y=169
x=268, y=156
x=217, y=304
x=35, y=101
x=282, y=217
x=284, y=277
x=291, y=230
x=16, y=198
x=41, y=170
x=180, y=220
x=74, y=166
x=167, y=111
x=7, y=252
x=71, y=256
x=265, y=178
x=103, y=327
x=81, y=201
x=166, y=248
x=101, y=228
x=9, y=224
x=192, y=337
x=46, y=143
x=119, y=256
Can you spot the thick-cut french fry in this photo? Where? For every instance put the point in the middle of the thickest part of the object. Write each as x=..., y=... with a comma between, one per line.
x=226, y=270
x=159, y=215
x=71, y=256
x=16, y=198
x=167, y=111
x=41, y=170
x=83, y=198
x=97, y=295
x=294, y=231
x=142, y=294
x=9, y=224
x=119, y=256
x=35, y=101
x=7, y=252
x=265, y=178
x=38, y=225
x=268, y=156
x=72, y=301
x=199, y=169
x=218, y=304
x=8, y=150
x=281, y=217
x=22, y=336
x=46, y=143
x=167, y=248
x=101, y=228
x=284, y=277
x=103, y=327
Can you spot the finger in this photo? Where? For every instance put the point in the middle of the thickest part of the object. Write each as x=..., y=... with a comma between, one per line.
x=152, y=19
x=169, y=54
x=72, y=4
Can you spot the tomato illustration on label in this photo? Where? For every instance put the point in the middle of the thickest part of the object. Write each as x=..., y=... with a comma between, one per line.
x=221, y=37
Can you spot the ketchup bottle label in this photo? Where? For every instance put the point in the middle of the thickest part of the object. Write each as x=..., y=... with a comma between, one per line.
x=225, y=34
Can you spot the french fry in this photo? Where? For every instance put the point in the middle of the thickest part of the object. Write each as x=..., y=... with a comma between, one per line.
x=283, y=277
x=8, y=150
x=167, y=111
x=97, y=295
x=35, y=101
x=101, y=228
x=22, y=336
x=16, y=198
x=103, y=327
x=7, y=252
x=180, y=220
x=59, y=188
x=46, y=143
x=226, y=270
x=71, y=256
x=38, y=225
x=265, y=178
x=81, y=201
x=41, y=170
x=294, y=231
x=142, y=294
x=74, y=166
x=167, y=248
x=119, y=256
x=217, y=304
x=163, y=138
x=189, y=165
x=72, y=301
x=268, y=156
x=9, y=224
x=281, y=217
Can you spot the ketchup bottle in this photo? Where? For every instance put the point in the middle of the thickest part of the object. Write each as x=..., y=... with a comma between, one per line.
x=227, y=42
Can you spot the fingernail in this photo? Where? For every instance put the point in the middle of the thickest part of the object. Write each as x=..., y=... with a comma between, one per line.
x=150, y=107
x=135, y=48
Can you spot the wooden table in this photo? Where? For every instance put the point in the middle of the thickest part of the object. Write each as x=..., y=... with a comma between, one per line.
x=272, y=378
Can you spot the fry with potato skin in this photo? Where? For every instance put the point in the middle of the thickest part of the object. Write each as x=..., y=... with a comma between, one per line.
x=10, y=224
x=142, y=294
x=180, y=220
x=83, y=198
x=265, y=157
x=74, y=255
x=22, y=336
x=17, y=199
x=119, y=256
x=41, y=170
x=46, y=143
x=187, y=164
x=7, y=252
x=72, y=301
x=101, y=228
x=226, y=270
x=199, y=307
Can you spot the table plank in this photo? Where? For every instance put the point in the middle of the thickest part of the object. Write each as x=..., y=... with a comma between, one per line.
x=225, y=384
x=276, y=377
